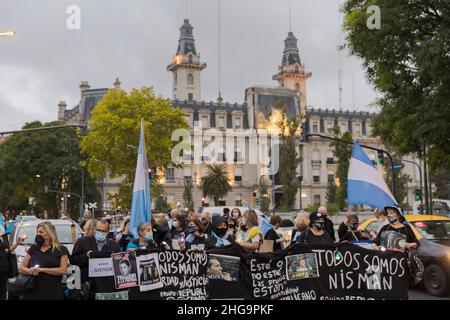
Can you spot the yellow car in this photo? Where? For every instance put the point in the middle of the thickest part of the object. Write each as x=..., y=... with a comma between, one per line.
x=433, y=233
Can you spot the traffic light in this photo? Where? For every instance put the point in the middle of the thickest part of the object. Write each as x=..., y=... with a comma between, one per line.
x=380, y=159
x=418, y=195
x=150, y=173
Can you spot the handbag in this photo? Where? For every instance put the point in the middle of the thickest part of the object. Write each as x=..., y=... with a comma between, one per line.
x=21, y=283
x=13, y=270
x=415, y=266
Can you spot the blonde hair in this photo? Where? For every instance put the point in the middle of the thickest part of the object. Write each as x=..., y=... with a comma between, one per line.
x=51, y=231
x=89, y=227
x=251, y=217
x=301, y=222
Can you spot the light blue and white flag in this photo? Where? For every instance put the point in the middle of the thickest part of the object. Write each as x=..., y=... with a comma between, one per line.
x=365, y=185
x=141, y=204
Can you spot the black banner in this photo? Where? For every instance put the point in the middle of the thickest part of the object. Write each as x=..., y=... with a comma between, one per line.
x=341, y=271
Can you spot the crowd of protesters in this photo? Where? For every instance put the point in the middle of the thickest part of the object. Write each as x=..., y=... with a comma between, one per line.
x=47, y=259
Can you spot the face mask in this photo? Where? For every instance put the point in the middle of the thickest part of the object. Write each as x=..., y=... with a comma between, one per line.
x=319, y=225
x=191, y=229
x=235, y=214
x=353, y=226
x=231, y=225
x=392, y=219
x=244, y=227
x=205, y=222
x=148, y=236
x=39, y=240
x=175, y=224
x=100, y=236
x=221, y=232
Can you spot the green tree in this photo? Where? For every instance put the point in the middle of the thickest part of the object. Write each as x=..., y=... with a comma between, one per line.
x=216, y=184
x=401, y=183
x=332, y=191
x=289, y=159
x=441, y=179
x=407, y=61
x=343, y=152
x=187, y=194
x=115, y=126
x=31, y=161
x=264, y=196
x=159, y=196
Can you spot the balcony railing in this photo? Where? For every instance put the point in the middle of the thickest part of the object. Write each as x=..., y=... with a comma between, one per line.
x=316, y=162
x=330, y=161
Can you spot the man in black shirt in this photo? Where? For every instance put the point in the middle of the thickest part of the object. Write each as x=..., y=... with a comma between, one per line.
x=97, y=246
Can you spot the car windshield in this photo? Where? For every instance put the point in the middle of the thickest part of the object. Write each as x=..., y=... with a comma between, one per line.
x=434, y=230
x=64, y=233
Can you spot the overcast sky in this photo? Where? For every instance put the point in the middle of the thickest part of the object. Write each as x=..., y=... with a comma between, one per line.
x=135, y=41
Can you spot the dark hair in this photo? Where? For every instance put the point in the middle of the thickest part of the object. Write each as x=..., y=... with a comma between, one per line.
x=352, y=217
x=275, y=219
x=198, y=223
x=182, y=219
x=226, y=211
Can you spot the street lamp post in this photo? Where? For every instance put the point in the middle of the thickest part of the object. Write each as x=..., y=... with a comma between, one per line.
x=421, y=183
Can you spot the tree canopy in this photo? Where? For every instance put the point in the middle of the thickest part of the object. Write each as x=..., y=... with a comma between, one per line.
x=408, y=62
x=113, y=134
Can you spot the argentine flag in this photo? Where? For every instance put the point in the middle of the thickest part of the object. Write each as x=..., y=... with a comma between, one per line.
x=141, y=204
x=365, y=185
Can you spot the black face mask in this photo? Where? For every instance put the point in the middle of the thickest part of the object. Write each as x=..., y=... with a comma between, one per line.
x=231, y=225
x=243, y=227
x=39, y=240
x=220, y=232
x=353, y=226
x=205, y=222
x=319, y=225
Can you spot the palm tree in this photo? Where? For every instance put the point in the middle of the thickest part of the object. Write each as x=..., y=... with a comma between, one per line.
x=216, y=184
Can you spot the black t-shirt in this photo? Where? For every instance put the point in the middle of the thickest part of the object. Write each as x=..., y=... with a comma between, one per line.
x=310, y=238
x=47, y=287
x=273, y=235
x=4, y=245
x=352, y=236
x=196, y=242
x=404, y=229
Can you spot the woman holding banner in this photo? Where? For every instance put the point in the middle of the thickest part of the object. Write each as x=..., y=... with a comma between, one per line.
x=253, y=236
x=396, y=224
x=196, y=238
x=315, y=234
x=219, y=236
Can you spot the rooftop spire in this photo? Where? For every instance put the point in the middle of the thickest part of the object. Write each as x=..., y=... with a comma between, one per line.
x=186, y=43
x=291, y=53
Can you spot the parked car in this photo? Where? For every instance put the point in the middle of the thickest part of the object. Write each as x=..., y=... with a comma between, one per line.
x=433, y=233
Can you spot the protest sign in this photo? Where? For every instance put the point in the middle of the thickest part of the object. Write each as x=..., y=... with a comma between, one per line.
x=102, y=267
x=341, y=271
x=125, y=270
x=148, y=272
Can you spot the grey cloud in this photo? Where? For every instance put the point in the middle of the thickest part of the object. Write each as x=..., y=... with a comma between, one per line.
x=135, y=40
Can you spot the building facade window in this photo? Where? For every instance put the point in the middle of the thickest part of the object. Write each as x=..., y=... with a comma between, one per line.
x=316, y=158
x=237, y=123
x=190, y=97
x=238, y=200
x=316, y=176
x=190, y=79
x=221, y=122
x=190, y=59
x=317, y=199
x=315, y=127
x=170, y=174
x=330, y=157
x=187, y=173
x=205, y=121
x=238, y=174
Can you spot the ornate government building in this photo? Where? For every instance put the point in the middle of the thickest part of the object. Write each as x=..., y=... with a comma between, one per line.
x=253, y=114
